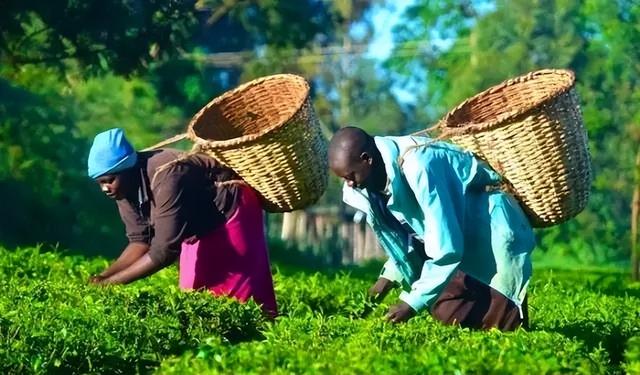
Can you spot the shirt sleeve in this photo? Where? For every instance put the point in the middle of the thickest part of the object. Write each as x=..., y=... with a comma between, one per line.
x=436, y=191
x=169, y=217
x=390, y=272
x=136, y=227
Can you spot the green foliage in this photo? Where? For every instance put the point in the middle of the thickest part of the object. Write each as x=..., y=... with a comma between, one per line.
x=463, y=48
x=114, y=35
x=108, y=101
x=303, y=295
x=46, y=124
x=601, y=308
x=52, y=321
x=632, y=356
x=70, y=69
x=583, y=322
x=340, y=345
x=40, y=158
x=284, y=23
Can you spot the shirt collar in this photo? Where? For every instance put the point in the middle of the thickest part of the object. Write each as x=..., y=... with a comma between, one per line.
x=143, y=183
x=389, y=152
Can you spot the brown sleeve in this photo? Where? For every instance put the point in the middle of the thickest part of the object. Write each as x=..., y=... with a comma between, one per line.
x=170, y=219
x=137, y=228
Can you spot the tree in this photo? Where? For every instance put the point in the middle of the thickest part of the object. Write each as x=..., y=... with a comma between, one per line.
x=250, y=38
x=117, y=35
x=69, y=69
x=635, y=217
x=465, y=47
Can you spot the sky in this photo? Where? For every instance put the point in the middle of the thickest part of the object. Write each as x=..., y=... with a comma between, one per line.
x=384, y=19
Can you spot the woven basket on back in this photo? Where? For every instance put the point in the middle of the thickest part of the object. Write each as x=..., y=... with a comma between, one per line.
x=530, y=130
x=267, y=132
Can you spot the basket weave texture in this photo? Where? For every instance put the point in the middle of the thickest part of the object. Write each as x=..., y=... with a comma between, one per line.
x=530, y=130
x=266, y=131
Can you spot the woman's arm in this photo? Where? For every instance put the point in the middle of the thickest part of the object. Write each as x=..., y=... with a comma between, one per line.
x=142, y=267
x=130, y=254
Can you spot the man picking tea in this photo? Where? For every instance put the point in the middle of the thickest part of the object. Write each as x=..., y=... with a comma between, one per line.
x=459, y=247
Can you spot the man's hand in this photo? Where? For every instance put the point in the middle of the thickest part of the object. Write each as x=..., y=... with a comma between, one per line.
x=400, y=312
x=380, y=289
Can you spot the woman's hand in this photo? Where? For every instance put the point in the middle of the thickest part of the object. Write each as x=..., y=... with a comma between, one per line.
x=96, y=279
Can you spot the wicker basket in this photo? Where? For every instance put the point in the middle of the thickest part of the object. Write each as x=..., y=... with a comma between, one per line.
x=267, y=132
x=530, y=130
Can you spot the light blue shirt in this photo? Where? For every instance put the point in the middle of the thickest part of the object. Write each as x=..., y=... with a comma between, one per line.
x=440, y=191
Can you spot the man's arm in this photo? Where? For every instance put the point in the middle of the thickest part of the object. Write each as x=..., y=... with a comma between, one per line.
x=389, y=278
x=435, y=187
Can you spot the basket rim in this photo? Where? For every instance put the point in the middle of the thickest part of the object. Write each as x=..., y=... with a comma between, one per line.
x=567, y=86
x=233, y=142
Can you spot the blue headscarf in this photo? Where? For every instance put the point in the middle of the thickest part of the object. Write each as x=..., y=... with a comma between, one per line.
x=110, y=153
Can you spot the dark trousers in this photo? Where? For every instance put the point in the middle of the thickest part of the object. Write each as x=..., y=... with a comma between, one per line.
x=469, y=303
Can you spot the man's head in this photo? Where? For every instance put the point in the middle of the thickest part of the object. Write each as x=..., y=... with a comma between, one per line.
x=111, y=161
x=354, y=157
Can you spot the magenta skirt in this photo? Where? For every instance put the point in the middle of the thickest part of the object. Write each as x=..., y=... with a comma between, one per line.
x=233, y=260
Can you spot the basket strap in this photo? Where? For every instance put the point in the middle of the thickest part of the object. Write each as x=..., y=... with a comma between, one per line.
x=443, y=135
x=230, y=183
x=447, y=132
x=166, y=142
x=428, y=130
x=504, y=185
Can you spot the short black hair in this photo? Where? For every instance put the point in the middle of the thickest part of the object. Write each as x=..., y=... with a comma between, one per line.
x=351, y=142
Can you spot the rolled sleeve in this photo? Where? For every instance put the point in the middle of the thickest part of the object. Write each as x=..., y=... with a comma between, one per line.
x=390, y=272
x=437, y=194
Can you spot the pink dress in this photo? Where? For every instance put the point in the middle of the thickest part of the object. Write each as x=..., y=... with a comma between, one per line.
x=233, y=259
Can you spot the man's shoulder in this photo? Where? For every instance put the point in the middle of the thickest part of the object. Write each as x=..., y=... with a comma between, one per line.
x=401, y=140
x=419, y=153
x=430, y=150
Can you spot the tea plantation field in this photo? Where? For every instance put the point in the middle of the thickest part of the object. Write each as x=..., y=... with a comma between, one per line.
x=51, y=321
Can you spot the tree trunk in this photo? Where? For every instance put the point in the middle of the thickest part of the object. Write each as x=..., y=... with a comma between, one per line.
x=371, y=242
x=635, y=212
x=302, y=226
x=347, y=242
x=288, y=226
x=635, y=205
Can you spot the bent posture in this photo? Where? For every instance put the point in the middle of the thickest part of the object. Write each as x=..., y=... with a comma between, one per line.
x=459, y=247
x=175, y=207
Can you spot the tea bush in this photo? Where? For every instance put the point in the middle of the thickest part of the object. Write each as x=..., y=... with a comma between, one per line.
x=51, y=321
x=582, y=322
x=599, y=308
x=317, y=294
x=339, y=345
x=632, y=356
